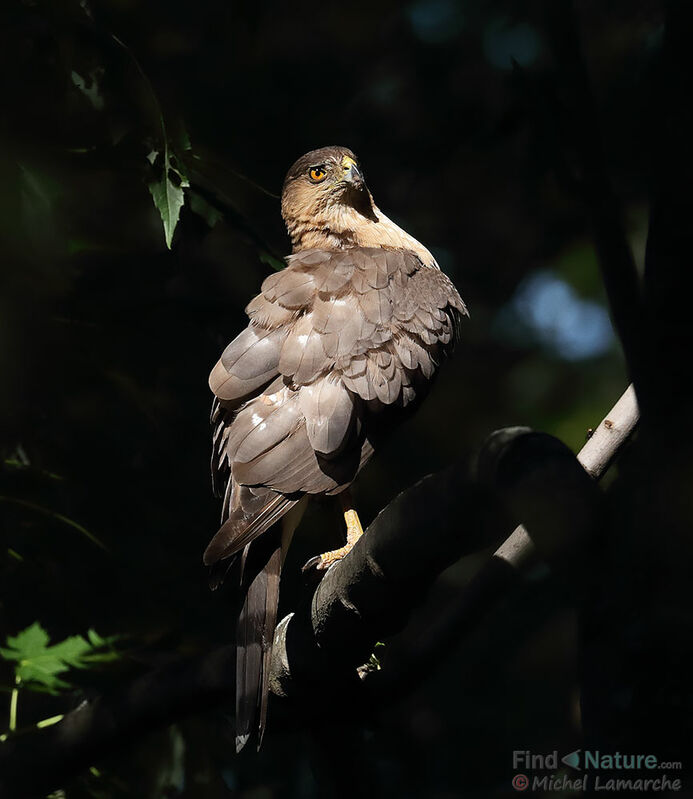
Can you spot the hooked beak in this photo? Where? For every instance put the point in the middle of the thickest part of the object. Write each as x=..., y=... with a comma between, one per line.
x=351, y=173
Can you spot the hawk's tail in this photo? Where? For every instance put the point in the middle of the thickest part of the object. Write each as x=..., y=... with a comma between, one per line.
x=262, y=562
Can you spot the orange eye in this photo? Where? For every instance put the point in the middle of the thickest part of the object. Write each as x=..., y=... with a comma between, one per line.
x=317, y=173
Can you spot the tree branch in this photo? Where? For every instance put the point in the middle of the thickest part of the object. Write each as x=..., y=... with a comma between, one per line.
x=364, y=598
x=595, y=458
x=669, y=238
x=369, y=594
x=613, y=250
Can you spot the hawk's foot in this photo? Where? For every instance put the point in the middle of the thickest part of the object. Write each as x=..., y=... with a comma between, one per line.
x=354, y=532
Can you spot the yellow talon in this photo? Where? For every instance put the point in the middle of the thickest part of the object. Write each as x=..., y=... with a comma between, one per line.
x=354, y=532
x=353, y=525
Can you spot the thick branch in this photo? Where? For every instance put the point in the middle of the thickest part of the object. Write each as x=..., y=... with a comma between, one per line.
x=364, y=598
x=370, y=593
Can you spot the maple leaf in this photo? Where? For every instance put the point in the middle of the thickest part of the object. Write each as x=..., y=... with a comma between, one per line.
x=38, y=663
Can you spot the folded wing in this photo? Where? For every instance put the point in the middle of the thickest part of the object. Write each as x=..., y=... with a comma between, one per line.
x=333, y=339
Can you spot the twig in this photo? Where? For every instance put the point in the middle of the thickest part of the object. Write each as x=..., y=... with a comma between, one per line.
x=595, y=458
x=59, y=517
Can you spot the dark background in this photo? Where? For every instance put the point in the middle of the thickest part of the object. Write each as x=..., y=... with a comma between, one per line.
x=456, y=111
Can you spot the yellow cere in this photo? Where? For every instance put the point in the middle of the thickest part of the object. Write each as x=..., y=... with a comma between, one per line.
x=347, y=163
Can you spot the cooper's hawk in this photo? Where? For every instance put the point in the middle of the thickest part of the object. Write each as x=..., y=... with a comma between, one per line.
x=342, y=345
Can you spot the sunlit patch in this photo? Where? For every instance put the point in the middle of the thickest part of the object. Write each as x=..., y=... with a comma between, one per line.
x=257, y=419
x=303, y=338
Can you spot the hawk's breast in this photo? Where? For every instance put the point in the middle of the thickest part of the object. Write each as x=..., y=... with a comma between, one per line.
x=377, y=320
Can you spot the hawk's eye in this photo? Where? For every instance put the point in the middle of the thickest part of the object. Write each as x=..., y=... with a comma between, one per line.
x=317, y=174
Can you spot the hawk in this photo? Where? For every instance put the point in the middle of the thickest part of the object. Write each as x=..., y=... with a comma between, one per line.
x=342, y=346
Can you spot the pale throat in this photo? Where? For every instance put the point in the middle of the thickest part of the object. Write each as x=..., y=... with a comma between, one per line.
x=340, y=227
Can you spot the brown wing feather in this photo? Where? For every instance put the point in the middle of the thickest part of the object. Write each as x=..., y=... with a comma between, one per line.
x=250, y=519
x=328, y=408
x=249, y=362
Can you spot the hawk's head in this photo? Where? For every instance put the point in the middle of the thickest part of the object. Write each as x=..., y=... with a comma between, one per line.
x=325, y=193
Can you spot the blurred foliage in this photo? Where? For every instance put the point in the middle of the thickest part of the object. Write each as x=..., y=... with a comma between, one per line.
x=107, y=337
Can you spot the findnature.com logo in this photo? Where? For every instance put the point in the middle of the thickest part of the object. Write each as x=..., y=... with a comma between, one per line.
x=587, y=765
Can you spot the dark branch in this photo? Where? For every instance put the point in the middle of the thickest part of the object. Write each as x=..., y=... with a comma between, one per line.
x=669, y=241
x=531, y=476
x=368, y=596
x=584, y=140
x=41, y=761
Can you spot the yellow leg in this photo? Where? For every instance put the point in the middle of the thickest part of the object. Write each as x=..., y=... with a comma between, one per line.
x=354, y=532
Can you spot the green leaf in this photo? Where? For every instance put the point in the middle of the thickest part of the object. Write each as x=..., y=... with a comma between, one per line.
x=95, y=639
x=38, y=663
x=168, y=198
x=27, y=643
x=90, y=90
x=270, y=260
x=167, y=194
x=206, y=210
